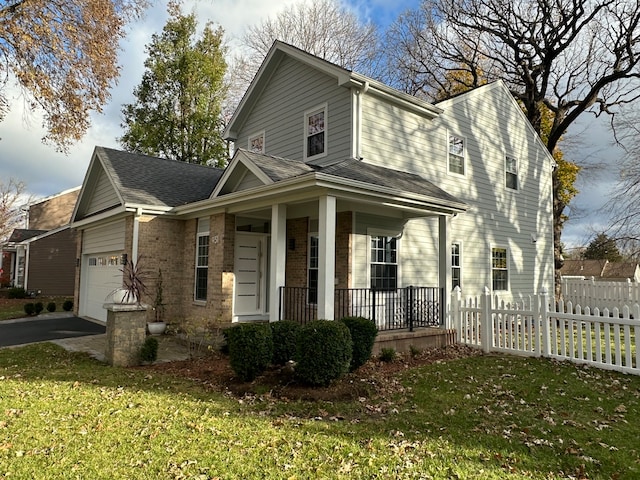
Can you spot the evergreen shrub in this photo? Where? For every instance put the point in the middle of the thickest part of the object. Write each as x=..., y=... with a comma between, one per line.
x=250, y=349
x=363, y=335
x=284, y=341
x=323, y=352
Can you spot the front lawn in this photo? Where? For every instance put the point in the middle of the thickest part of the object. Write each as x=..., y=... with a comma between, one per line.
x=64, y=415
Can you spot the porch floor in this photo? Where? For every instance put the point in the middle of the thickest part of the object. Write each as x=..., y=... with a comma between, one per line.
x=421, y=338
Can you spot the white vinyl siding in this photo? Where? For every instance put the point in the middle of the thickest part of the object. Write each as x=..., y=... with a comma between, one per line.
x=293, y=90
x=492, y=124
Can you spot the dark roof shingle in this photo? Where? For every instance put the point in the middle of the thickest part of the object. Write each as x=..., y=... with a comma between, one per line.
x=146, y=180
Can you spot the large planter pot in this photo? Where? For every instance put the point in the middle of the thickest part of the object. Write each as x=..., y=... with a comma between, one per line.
x=156, y=328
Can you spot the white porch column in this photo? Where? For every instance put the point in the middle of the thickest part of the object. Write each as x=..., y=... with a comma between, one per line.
x=326, y=257
x=278, y=258
x=444, y=263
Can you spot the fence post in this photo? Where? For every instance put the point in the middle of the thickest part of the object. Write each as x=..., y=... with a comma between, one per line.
x=373, y=306
x=486, y=338
x=454, y=321
x=543, y=302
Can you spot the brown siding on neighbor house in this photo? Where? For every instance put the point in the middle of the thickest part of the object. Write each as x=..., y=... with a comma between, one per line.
x=52, y=264
x=54, y=212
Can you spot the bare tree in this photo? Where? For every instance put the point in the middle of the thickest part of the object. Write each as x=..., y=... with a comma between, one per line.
x=11, y=199
x=323, y=28
x=64, y=57
x=568, y=56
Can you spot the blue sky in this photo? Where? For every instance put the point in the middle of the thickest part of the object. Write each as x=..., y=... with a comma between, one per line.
x=46, y=172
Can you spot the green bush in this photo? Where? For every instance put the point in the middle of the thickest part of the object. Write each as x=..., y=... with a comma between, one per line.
x=67, y=306
x=149, y=350
x=250, y=349
x=29, y=308
x=284, y=341
x=17, y=292
x=323, y=352
x=39, y=307
x=51, y=307
x=388, y=355
x=363, y=335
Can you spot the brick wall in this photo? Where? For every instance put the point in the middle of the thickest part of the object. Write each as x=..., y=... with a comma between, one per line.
x=296, y=263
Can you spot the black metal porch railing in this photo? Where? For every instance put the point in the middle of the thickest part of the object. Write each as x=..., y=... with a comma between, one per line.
x=402, y=308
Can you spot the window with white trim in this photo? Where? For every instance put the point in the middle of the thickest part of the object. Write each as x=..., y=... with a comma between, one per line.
x=256, y=143
x=456, y=266
x=457, y=154
x=499, y=268
x=202, y=260
x=384, y=263
x=312, y=270
x=511, y=169
x=315, y=132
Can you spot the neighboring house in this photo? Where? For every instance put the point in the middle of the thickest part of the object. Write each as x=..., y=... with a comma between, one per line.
x=339, y=185
x=602, y=270
x=41, y=258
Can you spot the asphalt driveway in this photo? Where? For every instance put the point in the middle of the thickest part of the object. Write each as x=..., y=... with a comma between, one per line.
x=45, y=328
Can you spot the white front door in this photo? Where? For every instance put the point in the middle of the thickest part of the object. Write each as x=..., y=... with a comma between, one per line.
x=250, y=275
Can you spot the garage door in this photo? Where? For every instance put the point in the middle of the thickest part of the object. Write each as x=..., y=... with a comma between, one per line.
x=103, y=275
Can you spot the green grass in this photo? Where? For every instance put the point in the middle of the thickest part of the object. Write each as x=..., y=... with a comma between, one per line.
x=64, y=415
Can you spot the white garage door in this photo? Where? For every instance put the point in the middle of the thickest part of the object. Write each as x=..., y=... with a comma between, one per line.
x=103, y=276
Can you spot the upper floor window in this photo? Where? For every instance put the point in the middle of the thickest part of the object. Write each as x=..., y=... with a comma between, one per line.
x=202, y=260
x=456, y=266
x=315, y=132
x=256, y=143
x=499, y=269
x=456, y=154
x=384, y=263
x=511, y=169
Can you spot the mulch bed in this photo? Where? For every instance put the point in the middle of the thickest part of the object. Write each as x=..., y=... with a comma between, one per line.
x=214, y=372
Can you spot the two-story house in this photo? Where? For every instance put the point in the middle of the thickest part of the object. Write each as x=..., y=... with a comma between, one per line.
x=41, y=258
x=342, y=193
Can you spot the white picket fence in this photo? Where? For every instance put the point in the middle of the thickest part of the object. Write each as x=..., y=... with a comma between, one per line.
x=538, y=326
x=592, y=293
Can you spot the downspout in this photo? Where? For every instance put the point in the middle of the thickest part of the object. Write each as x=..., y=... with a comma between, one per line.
x=136, y=234
x=357, y=124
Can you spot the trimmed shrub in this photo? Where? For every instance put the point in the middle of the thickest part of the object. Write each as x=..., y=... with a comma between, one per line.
x=51, y=307
x=67, y=306
x=39, y=307
x=29, y=308
x=17, y=292
x=284, y=341
x=149, y=350
x=363, y=335
x=323, y=352
x=250, y=349
x=388, y=355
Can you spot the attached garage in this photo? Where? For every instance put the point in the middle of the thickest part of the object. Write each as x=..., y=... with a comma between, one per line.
x=102, y=248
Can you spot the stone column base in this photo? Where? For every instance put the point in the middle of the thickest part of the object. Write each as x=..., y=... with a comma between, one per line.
x=126, y=333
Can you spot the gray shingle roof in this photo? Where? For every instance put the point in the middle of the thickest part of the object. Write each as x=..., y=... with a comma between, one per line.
x=22, y=234
x=386, y=177
x=146, y=180
x=279, y=169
